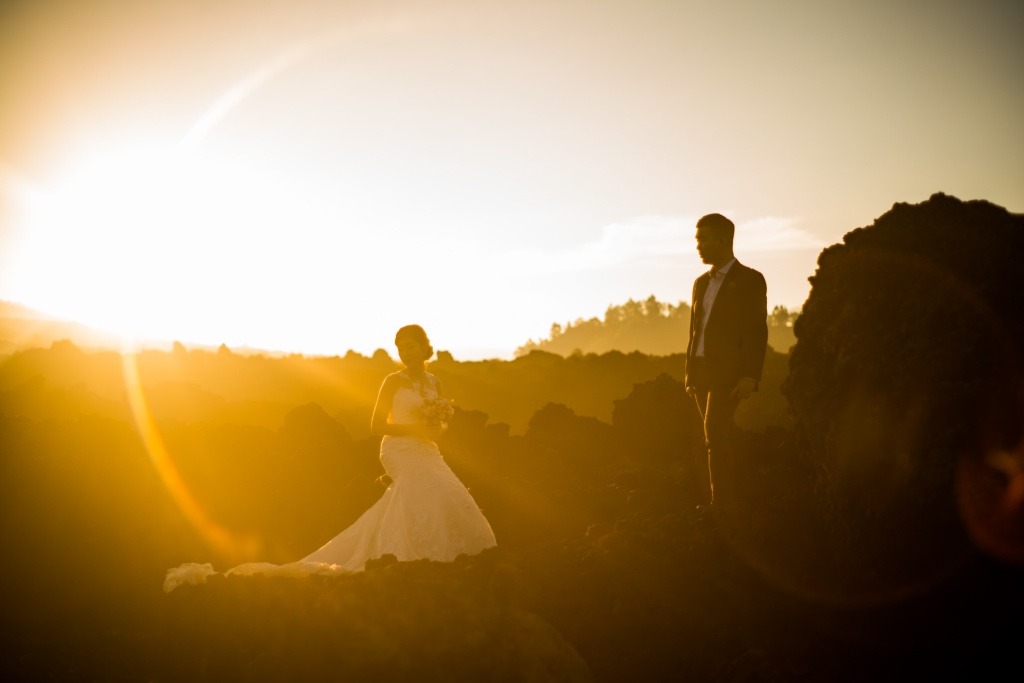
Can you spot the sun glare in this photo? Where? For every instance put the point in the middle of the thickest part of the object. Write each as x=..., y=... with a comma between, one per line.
x=151, y=243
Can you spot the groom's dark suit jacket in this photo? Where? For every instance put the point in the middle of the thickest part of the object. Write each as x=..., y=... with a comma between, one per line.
x=737, y=330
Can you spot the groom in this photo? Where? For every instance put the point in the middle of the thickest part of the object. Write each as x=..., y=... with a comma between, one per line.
x=726, y=350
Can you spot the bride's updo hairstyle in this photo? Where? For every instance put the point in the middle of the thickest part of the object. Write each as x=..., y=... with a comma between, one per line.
x=419, y=335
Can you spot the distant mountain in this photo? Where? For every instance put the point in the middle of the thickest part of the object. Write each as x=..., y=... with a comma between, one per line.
x=651, y=327
x=17, y=311
x=22, y=327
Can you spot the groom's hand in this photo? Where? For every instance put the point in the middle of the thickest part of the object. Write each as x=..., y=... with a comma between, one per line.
x=744, y=388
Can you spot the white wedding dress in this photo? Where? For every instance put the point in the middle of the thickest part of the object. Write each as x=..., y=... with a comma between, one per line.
x=425, y=513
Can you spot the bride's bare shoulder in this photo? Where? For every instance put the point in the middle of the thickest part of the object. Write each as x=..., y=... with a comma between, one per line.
x=395, y=380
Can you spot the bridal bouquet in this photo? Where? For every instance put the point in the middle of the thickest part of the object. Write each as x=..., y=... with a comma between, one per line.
x=437, y=411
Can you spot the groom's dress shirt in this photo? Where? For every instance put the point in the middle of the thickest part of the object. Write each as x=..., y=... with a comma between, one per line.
x=717, y=276
x=728, y=328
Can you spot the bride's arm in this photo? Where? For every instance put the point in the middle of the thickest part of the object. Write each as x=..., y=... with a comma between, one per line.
x=379, y=424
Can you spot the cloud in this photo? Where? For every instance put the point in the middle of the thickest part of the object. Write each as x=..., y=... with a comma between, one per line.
x=774, y=233
x=653, y=240
x=640, y=239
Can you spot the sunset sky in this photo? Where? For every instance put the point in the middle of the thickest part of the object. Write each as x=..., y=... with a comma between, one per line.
x=309, y=176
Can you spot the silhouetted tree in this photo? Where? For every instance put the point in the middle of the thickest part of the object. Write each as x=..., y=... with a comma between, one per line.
x=649, y=326
x=781, y=317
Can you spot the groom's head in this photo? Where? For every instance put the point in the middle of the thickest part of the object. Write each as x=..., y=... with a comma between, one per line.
x=714, y=239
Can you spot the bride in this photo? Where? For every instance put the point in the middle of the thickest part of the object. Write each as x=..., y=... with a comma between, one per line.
x=425, y=513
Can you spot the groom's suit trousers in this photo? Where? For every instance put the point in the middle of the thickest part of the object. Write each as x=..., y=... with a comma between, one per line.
x=717, y=409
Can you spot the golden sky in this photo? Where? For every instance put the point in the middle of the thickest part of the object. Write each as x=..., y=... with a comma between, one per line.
x=309, y=176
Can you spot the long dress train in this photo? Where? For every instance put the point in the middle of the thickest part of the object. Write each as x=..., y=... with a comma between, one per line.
x=425, y=513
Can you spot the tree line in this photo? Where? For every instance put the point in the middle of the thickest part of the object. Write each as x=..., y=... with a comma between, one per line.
x=650, y=326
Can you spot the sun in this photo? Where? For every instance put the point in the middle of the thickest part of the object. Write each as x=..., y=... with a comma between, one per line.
x=146, y=241
x=155, y=243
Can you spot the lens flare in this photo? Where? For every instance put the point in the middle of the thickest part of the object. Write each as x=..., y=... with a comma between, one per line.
x=230, y=546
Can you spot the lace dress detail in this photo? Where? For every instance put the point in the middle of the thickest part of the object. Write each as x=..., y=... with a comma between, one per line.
x=425, y=513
